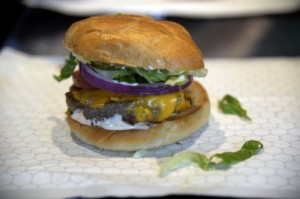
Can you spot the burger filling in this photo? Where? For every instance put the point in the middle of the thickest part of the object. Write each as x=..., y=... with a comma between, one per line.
x=104, y=108
x=122, y=73
x=112, y=123
x=132, y=107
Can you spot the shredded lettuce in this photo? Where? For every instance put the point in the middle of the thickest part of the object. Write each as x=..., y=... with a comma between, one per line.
x=177, y=80
x=128, y=74
x=152, y=76
x=143, y=75
x=183, y=159
x=140, y=154
x=199, y=73
x=217, y=161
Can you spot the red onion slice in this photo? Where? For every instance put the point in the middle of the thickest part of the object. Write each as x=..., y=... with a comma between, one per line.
x=99, y=81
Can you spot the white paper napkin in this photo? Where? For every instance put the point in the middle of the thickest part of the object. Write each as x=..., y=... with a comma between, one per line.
x=39, y=158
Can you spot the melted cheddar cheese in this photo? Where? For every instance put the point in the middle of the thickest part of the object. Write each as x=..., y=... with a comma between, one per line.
x=146, y=108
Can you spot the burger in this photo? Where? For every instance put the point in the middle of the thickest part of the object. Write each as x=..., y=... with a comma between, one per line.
x=133, y=82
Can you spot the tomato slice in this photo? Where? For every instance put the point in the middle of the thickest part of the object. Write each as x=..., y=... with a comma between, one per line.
x=79, y=82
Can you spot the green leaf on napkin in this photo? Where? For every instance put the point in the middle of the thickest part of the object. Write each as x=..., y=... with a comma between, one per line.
x=224, y=160
x=217, y=161
x=183, y=159
x=230, y=105
x=67, y=70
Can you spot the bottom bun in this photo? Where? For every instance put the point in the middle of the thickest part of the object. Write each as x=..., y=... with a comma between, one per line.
x=164, y=133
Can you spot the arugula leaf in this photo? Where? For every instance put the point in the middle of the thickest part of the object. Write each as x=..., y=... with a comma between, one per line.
x=217, y=161
x=152, y=76
x=67, y=70
x=128, y=74
x=253, y=146
x=140, y=75
x=231, y=105
x=224, y=160
x=125, y=75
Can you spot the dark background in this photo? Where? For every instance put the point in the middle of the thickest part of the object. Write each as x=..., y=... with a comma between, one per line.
x=41, y=32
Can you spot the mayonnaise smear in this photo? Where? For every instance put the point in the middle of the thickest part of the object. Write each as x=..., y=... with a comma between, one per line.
x=112, y=123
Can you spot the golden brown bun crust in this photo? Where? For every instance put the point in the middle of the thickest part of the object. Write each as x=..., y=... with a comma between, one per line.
x=165, y=133
x=136, y=41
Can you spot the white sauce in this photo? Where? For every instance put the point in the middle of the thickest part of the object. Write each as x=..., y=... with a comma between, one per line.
x=112, y=123
x=149, y=67
x=130, y=84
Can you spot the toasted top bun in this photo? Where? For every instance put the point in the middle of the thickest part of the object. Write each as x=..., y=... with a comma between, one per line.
x=136, y=41
x=164, y=133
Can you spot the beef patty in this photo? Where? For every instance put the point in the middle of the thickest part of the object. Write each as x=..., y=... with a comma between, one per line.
x=107, y=111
